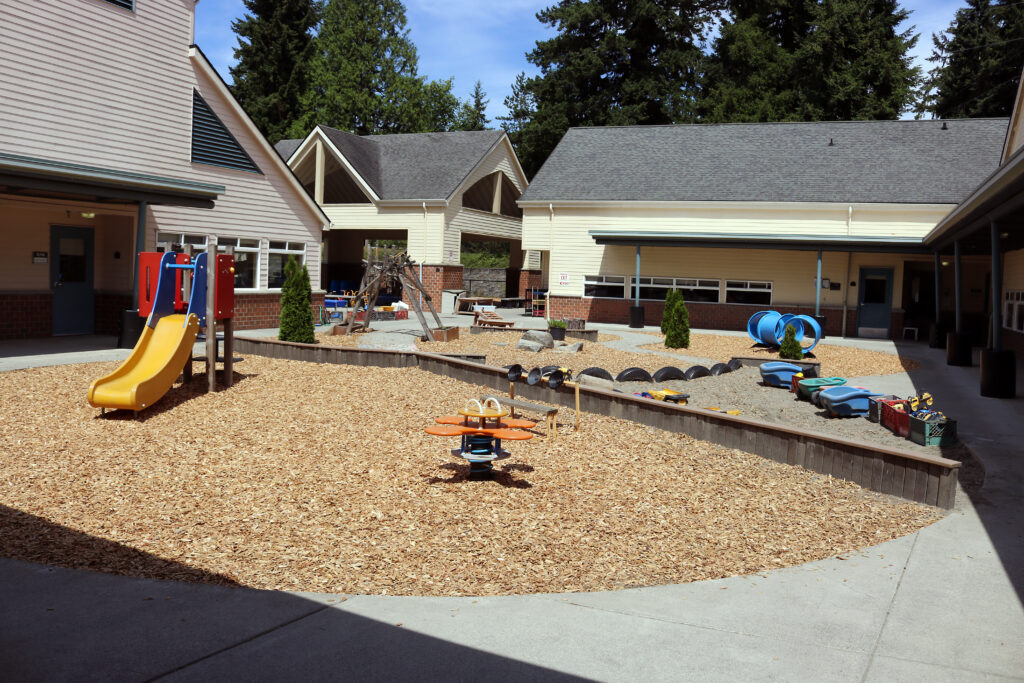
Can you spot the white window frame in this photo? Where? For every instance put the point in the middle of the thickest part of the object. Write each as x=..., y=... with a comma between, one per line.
x=290, y=249
x=605, y=281
x=680, y=283
x=749, y=286
x=245, y=245
x=180, y=239
x=1013, y=310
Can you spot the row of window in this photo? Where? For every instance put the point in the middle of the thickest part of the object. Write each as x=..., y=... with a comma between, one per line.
x=248, y=253
x=693, y=289
x=1013, y=310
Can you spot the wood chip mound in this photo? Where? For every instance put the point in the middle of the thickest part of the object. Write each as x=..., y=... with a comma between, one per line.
x=838, y=361
x=320, y=478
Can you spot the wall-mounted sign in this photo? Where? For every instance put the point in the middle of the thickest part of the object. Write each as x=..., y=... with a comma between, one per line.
x=563, y=279
x=40, y=257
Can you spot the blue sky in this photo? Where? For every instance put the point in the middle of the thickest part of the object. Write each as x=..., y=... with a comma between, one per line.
x=472, y=40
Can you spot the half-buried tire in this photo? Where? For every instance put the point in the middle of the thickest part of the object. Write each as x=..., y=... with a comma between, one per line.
x=667, y=373
x=695, y=371
x=719, y=369
x=735, y=364
x=634, y=375
x=596, y=372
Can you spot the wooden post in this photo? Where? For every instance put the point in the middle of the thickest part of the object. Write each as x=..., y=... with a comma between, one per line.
x=211, y=323
x=229, y=343
x=576, y=387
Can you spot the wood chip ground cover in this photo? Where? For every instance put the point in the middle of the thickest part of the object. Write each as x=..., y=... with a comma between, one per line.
x=320, y=478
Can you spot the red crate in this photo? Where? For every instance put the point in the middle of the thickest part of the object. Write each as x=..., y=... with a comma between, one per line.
x=794, y=382
x=896, y=420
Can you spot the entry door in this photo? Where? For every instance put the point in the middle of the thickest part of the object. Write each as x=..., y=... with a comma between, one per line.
x=874, y=309
x=71, y=279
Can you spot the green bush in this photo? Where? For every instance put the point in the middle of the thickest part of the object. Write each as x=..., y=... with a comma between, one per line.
x=790, y=348
x=558, y=323
x=296, y=313
x=670, y=301
x=676, y=323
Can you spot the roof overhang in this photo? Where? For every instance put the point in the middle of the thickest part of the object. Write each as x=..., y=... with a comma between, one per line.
x=59, y=178
x=1000, y=198
x=641, y=238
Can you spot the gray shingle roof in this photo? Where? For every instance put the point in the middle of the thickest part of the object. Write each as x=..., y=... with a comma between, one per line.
x=413, y=165
x=869, y=161
x=285, y=148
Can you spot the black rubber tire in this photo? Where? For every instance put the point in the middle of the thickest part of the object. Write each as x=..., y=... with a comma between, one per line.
x=695, y=371
x=548, y=368
x=719, y=369
x=634, y=375
x=735, y=364
x=669, y=372
x=596, y=372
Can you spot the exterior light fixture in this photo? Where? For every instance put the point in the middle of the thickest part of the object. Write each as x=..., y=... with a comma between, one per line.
x=945, y=263
x=88, y=214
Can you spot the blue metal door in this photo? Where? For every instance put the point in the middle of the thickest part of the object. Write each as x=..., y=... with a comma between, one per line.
x=71, y=279
x=874, y=304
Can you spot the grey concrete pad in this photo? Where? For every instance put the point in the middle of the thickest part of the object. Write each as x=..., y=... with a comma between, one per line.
x=891, y=670
x=18, y=354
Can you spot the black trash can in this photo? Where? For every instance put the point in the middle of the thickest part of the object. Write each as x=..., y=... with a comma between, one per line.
x=998, y=374
x=820, y=319
x=958, y=349
x=636, y=316
x=131, y=329
x=937, y=336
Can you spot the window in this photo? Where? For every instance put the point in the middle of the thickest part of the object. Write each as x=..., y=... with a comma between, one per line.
x=124, y=4
x=1013, y=310
x=280, y=252
x=213, y=143
x=247, y=260
x=748, y=292
x=175, y=241
x=657, y=288
x=604, y=286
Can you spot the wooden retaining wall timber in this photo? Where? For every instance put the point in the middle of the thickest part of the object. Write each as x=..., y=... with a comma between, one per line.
x=914, y=476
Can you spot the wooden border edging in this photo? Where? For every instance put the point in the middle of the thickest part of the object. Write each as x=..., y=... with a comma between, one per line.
x=919, y=477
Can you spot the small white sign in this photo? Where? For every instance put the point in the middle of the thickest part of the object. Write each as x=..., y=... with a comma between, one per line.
x=563, y=279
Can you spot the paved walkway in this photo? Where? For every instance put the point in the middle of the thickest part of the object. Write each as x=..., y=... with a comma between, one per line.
x=943, y=604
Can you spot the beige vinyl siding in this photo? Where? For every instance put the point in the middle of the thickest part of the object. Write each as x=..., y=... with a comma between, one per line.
x=425, y=229
x=256, y=206
x=73, y=94
x=1013, y=270
x=486, y=224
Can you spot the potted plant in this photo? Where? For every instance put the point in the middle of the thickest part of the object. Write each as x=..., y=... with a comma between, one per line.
x=557, y=329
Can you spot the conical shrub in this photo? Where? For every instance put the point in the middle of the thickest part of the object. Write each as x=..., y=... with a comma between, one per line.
x=296, y=324
x=790, y=347
x=677, y=324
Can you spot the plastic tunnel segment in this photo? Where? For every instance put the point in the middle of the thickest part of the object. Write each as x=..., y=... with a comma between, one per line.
x=753, y=322
x=814, y=327
x=766, y=325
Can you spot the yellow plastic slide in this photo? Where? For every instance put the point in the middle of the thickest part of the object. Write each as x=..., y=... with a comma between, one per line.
x=150, y=371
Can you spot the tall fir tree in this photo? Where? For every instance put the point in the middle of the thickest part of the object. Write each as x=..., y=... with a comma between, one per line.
x=522, y=107
x=978, y=61
x=810, y=60
x=363, y=75
x=474, y=112
x=296, y=321
x=613, y=63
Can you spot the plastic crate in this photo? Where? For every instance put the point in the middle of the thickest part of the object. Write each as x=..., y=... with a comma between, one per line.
x=874, y=413
x=896, y=420
x=932, y=433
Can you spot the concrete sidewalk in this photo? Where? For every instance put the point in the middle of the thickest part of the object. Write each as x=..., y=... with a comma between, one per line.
x=943, y=604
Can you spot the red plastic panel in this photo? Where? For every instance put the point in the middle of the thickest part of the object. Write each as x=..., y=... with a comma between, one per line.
x=224, y=291
x=149, y=273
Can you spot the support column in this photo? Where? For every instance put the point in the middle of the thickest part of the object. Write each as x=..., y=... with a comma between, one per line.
x=131, y=323
x=958, y=343
x=318, y=177
x=998, y=367
x=937, y=331
x=636, y=311
x=818, y=317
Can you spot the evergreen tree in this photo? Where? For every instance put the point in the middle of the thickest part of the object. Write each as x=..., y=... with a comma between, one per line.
x=978, y=61
x=670, y=302
x=810, y=60
x=473, y=116
x=363, y=75
x=521, y=107
x=790, y=347
x=613, y=63
x=275, y=42
x=677, y=324
x=296, y=324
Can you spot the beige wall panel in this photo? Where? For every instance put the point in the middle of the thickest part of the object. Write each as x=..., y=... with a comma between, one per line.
x=1013, y=270
x=138, y=92
x=114, y=255
x=425, y=229
x=486, y=224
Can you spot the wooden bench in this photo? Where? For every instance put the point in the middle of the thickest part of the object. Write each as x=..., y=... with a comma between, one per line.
x=490, y=319
x=550, y=414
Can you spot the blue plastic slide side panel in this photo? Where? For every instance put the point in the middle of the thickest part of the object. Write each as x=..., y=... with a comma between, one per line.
x=197, y=300
x=163, y=302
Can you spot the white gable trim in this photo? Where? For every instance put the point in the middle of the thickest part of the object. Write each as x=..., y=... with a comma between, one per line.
x=307, y=146
x=199, y=60
x=511, y=152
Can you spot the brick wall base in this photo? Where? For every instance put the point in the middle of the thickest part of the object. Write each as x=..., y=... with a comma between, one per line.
x=261, y=311
x=529, y=279
x=436, y=278
x=702, y=315
x=27, y=315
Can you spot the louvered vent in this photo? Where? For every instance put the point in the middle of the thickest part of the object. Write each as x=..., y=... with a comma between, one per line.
x=212, y=143
x=127, y=4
